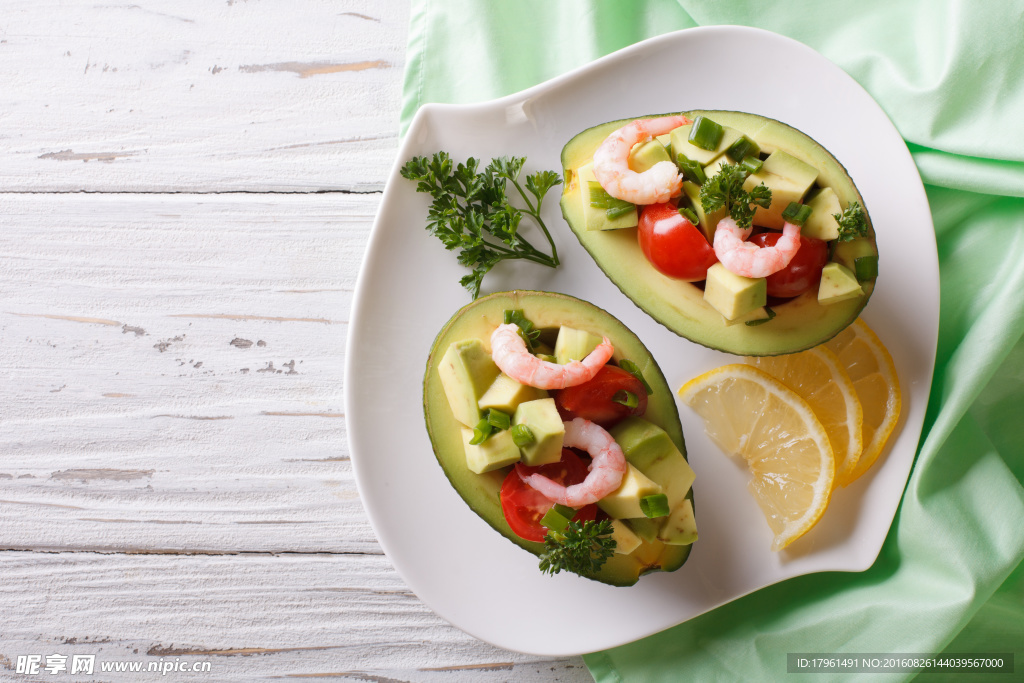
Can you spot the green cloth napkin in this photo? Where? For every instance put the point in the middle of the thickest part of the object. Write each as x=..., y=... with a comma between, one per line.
x=950, y=75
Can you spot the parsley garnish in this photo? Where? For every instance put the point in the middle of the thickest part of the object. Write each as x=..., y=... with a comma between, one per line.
x=582, y=548
x=471, y=211
x=852, y=222
x=726, y=189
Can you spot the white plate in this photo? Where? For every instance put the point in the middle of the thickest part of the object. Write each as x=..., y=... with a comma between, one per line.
x=408, y=288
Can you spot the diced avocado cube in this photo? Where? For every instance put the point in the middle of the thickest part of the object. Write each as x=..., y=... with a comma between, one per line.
x=754, y=316
x=788, y=178
x=680, y=528
x=542, y=417
x=624, y=502
x=646, y=154
x=715, y=167
x=625, y=540
x=496, y=452
x=666, y=140
x=505, y=394
x=679, y=138
x=650, y=449
x=573, y=344
x=708, y=222
x=645, y=528
x=822, y=224
x=838, y=283
x=847, y=253
x=466, y=371
x=734, y=295
x=596, y=218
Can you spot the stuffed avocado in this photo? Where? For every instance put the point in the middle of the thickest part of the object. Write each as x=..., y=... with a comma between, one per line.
x=475, y=413
x=695, y=295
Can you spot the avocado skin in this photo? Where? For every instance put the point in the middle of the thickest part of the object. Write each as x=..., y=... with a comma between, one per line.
x=800, y=323
x=480, y=491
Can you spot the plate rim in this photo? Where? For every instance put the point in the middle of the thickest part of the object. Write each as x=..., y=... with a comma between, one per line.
x=361, y=297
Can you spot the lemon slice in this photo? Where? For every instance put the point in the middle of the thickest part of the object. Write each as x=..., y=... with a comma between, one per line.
x=819, y=378
x=755, y=416
x=870, y=366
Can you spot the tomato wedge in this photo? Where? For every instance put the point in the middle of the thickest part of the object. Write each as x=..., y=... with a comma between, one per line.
x=802, y=273
x=524, y=507
x=592, y=400
x=673, y=244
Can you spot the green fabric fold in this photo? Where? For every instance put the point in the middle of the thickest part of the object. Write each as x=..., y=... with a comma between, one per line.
x=950, y=75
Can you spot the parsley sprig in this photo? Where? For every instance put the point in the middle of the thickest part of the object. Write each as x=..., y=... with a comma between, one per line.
x=726, y=189
x=582, y=548
x=471, y=211
x=852, y=222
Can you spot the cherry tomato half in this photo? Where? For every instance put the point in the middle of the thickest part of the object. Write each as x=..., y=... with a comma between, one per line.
x=524, y=506
x=673, y=244
x=802, y=273
x=592, y=400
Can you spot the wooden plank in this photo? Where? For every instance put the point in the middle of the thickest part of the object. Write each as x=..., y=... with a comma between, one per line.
x=151, y=96
x=172, y=372
x=251, y=617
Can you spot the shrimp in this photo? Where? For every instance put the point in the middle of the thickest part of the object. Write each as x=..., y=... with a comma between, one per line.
x=657, y=184
x=750, y=260
x=606, y=470
x=510, y=355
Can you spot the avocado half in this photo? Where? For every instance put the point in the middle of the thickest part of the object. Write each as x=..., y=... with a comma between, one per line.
x=547, y=311
x=799, y=323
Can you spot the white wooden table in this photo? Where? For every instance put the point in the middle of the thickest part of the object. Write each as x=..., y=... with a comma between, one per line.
x=186, y=191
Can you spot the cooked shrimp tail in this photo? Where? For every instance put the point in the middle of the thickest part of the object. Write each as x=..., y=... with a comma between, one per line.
x=512, y=357
x=606, y=469
x=657, y=184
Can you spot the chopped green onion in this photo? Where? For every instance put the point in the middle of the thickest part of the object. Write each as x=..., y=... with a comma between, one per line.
x=565, y=511
x=655, y=505
x=626, y=398
x=600, y=199
x=634, y=369
x=526, y=328
x=691, y=170
x=558, y=518
x=796, y=213
x=522, y=436
x=689, y=215
x=762, y=321
x=866, y=267
x=498, y=419
x=743, y=147
x=752, y=164
x=613, y=212
x=705, y=133
x=481, y=432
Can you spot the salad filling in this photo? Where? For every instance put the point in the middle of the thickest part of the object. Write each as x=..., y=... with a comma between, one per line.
x=733, y=230
x=648, y=162
x=561, y=421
